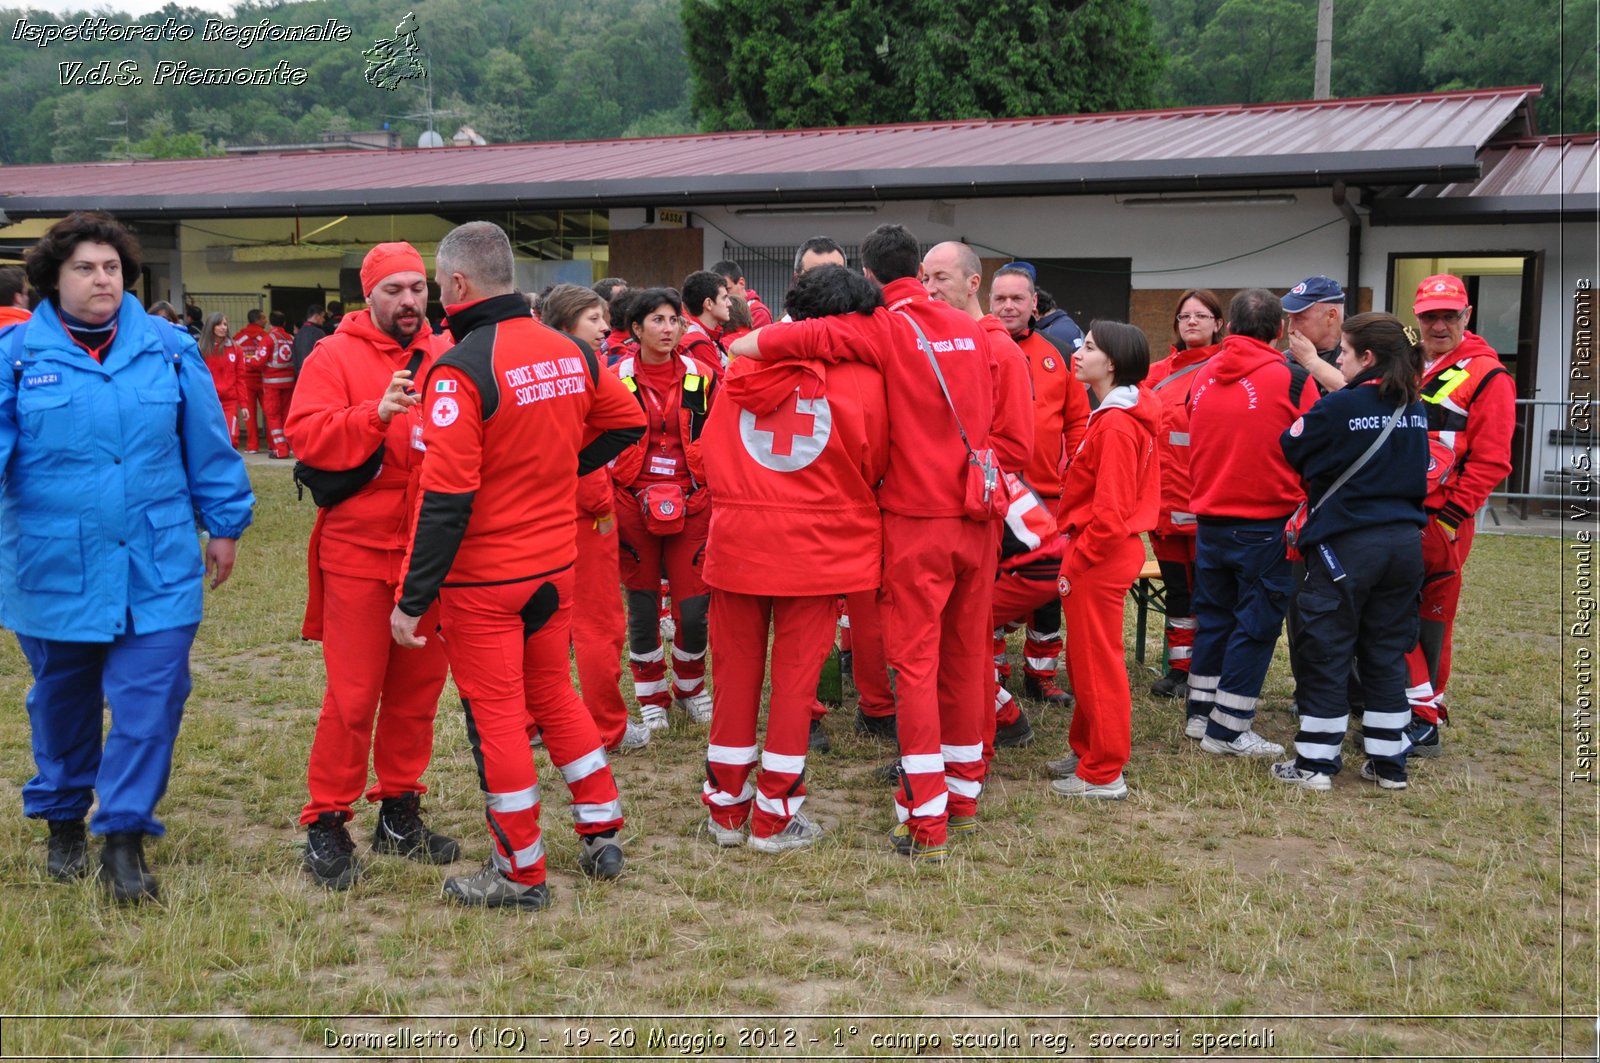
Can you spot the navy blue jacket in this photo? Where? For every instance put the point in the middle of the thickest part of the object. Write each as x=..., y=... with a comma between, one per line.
x=1329, y=438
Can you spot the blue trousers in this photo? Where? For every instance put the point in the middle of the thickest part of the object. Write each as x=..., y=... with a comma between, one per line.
x=1241, y=592
x=144, y=679
x=1369, y=618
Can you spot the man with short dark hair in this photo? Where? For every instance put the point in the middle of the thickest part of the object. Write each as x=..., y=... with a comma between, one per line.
x=277, y=382
x=13, y=296
x=817, y=251
x=335, y=315
x=1242, y=401
x=705, y=308
x=733, y=273
x=493, y=541
x=307, y=335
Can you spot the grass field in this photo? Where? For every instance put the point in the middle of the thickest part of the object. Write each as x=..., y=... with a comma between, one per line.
x=1213, y=902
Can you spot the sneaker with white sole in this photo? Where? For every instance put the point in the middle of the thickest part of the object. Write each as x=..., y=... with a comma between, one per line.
x=654, y=717
x=727, y=837
x=1286, y=772
x=1074, y=786
x=1369, y=772
x=1247, y=744
x=1066, y=766
x=490, y=889
x=799, y=833
x=698, y=706
x=634, y=736
x=1195, y=727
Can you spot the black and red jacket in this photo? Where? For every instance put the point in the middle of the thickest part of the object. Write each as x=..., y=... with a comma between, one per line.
x=514, y=414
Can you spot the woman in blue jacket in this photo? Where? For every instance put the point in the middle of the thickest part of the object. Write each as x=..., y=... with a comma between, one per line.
x=112, y=442
x=1363, y=555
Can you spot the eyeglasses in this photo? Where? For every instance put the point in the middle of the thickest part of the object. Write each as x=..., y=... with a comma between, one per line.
x=1197, y=317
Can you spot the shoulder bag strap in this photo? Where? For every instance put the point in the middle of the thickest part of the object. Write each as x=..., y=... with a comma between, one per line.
x=1344, y=477
x=927, y=348
x=1185, y=371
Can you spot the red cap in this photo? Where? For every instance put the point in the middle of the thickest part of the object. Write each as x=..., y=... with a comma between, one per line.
x=386, y=259
x=1440, y=292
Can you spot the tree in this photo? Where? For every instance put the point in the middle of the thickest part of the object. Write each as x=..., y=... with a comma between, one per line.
x=775, y=64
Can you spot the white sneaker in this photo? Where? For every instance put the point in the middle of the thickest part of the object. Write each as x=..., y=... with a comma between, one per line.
x=1073, y=786
x=1285, y=772
x=1195, y=727
x=634, y=736
x=698, y=706
x=1248, y=744
x=798, y=833
x=1064, y=767
x=1369, y=772
x=654, y=716
x=727, y=837
x=669, y=629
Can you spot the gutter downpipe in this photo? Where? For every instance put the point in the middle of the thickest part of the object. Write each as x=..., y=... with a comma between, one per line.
x=1353, y=284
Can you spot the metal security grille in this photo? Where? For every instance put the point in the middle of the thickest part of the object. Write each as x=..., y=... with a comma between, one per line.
x=769, y=269
x=234, y=304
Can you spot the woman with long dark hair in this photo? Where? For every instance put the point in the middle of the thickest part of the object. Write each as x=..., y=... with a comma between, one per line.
x=1109, y=495
x=1363, y=454
x=223, y=357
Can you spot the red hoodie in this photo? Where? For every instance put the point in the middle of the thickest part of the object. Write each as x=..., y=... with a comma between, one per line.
x=1112, y=485
x=1246, y=396
x=794, y=453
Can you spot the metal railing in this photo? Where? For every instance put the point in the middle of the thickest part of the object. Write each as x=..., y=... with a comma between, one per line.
x=1552, y=461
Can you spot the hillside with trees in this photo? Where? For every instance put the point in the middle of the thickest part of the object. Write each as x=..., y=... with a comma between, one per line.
x=516, y=71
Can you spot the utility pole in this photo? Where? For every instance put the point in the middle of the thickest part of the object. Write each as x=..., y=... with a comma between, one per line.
x=1321, y=87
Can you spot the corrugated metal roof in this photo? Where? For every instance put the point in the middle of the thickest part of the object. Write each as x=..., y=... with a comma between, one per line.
x=1522, y=179
x=1390, y=140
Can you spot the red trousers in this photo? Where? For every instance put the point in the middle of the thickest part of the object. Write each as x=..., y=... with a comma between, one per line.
x=507, y=645
x=646, y=559
x=1428, y=663
x=1015, y=598
x=249, y=393
x=598, y=629
x=373, y=686
x=869, y=666
x=1102, y=725
x=938, y=591
x=1175, y=555
x=275, y=406
x=802, y=632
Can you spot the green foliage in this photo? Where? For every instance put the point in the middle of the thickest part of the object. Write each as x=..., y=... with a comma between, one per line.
x=770, y=64
x=510, y=70
x=1257, y=51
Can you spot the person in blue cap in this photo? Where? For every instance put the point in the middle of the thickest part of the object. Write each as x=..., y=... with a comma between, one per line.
x=1316, y=315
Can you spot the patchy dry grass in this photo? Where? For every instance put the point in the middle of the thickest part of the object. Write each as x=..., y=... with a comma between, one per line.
x=1210, y=893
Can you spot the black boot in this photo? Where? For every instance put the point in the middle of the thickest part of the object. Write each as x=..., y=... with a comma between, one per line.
x=400, y=831
x=69, y=850
x=123, y=870
x=330, y=852
x=1174, y=684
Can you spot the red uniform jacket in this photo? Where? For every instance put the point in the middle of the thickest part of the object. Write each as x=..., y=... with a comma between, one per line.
x=223, y=362
x=760, y=316
x=794, y=453
x=333, y=424
x=1171, y=379
x=674, y=429
x=1014, y=391
x=1245, y=397
x=1113, y=482
x=1471, y=402
x=926, y=475
x=277, y=371
x=516, y=412
x=254, y=347
x=1060, y=410
x=700, y=345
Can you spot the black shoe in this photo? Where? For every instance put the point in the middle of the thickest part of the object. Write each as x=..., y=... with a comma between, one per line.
x=330, y=852
x=876, y=726
x=818, y=742
x=400, y=831
x=1174, y=684
x=1046, y=692
x=1424, y=738
x=889, y=774
x=123, y=870
x=599, y=856
x=847, y=665
x=69, y=850
x=1015, y=734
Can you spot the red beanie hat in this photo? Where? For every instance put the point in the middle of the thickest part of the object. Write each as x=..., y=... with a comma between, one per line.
x=381, y=261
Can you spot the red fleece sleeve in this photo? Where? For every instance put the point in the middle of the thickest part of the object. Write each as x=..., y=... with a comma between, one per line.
x=328, y=427
x=1075, y=418
x=1118, y=453
x=847, y=339
x=1011, y=427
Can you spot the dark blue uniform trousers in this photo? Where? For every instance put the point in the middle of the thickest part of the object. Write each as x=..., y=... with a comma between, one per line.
x=1369, y=618
x=144, y=679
